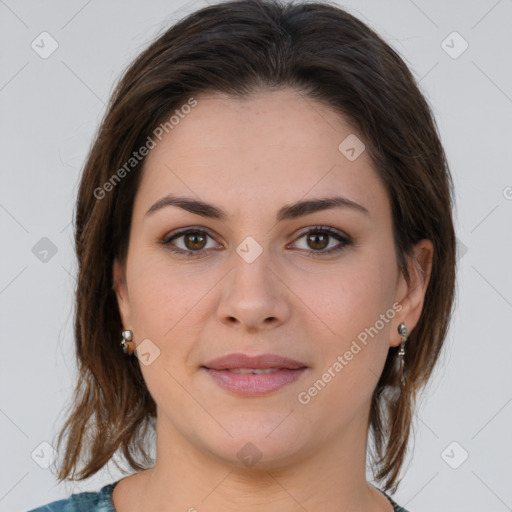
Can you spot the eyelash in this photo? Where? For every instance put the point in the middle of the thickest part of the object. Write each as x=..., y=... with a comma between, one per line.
x=345, y=239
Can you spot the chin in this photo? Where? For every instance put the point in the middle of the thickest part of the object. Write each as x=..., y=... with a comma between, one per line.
x=256, y=446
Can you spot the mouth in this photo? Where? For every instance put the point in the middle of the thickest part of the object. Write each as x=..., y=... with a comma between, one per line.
x=240, y=361
x=254, y=375
x=254, y=381
x=257, y=371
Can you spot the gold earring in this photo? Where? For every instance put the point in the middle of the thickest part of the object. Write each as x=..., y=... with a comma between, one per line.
x=402, y=330
x=127, y=344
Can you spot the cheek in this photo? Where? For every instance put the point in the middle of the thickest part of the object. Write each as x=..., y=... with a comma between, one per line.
x=164, y=302
x=349, y=298
x=357, y=306
x=161, y=294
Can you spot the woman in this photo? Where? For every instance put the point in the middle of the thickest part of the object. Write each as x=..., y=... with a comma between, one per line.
x=259, y=217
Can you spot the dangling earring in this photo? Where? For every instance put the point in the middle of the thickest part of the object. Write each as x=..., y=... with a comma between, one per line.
x=402, y=330
x=126, y=342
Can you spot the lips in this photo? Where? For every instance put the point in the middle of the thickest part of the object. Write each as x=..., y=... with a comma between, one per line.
x=254, y=375
x=261, y=362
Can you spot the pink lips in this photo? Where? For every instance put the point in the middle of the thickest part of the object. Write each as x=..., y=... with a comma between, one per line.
x=279, y=371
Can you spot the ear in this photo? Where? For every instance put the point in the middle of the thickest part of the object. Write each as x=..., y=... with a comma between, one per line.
x=411, y=296
x=121, y=290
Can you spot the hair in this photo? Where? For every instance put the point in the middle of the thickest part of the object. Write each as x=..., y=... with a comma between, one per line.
x=238, y=48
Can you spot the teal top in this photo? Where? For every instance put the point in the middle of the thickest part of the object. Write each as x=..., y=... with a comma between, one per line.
x=101, y=501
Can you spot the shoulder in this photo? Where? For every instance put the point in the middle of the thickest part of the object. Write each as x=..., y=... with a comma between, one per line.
x=100, y=501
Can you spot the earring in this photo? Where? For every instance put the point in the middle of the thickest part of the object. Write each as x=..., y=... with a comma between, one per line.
x=126, y=342
x=402, y=330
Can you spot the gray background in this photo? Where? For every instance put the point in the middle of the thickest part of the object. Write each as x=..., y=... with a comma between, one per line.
x=50, y=109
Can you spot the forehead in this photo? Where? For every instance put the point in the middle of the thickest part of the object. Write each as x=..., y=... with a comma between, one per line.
x=270, y=148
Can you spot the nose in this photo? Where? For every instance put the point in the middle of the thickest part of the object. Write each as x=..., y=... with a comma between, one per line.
x=253, y=297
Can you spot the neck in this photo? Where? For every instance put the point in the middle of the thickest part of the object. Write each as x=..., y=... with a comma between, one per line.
x=330, y=476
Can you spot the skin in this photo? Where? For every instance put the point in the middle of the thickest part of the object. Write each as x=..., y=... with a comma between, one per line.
x=251, y=157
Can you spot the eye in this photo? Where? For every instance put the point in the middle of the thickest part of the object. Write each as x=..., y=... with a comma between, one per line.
x=320, y=237
x=193, y=242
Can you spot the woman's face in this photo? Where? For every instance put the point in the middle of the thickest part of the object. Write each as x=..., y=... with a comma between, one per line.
x=262, y=276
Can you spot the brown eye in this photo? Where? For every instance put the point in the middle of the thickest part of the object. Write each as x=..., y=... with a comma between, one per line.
x=318, y=241
x=195, y=240
x=189, y=242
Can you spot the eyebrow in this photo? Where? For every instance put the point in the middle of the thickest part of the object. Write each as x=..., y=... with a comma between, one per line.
x=291, y=211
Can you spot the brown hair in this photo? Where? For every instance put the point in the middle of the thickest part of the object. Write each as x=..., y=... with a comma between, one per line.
x=238, y=47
